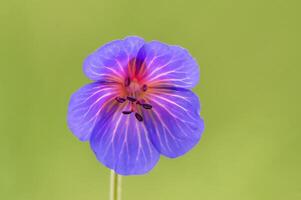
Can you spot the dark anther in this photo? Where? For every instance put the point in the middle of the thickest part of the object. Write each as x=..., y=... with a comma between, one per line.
x=120, y=100
x=132, y=99
x=138, y=117
x=147, y=106
x=127, y=82
x=126, y=112
x=138, y=102
x=144, y=88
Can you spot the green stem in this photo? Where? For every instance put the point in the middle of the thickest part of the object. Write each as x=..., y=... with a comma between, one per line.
x=115, y=186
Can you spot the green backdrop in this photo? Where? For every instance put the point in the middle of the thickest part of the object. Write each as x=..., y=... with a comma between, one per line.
x=249, y=55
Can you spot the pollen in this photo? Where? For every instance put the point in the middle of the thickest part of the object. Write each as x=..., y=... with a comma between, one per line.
x=134, y=92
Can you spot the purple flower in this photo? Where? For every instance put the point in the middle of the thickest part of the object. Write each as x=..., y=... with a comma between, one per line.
x=140, y=104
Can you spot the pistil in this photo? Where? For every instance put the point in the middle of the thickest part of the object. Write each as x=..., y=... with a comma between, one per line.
x=134, y=90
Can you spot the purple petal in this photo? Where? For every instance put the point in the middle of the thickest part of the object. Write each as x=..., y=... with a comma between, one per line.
x=85, y=107
x=174, y=121
x=121, y=143
x=167, y=65
x=110, y=62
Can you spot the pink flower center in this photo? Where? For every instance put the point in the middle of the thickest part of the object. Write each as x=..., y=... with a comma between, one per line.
x=134, y=92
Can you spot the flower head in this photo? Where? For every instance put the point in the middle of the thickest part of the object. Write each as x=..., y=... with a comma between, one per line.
x=139, y=106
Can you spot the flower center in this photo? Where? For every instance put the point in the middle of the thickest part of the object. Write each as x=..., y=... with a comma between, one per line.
x=133, y=88
x=134, y=96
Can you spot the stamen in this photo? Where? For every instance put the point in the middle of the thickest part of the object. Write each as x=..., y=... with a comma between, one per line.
x=127, y=82
x=132, y=99
x=144, y=88
x=138, y=117
x=147, y=106
x=120, y=100
x=126, y=112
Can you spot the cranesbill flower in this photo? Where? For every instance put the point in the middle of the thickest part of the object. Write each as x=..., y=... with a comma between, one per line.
x=139, y=106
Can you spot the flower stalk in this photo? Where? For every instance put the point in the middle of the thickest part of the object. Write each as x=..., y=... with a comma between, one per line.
x=115, y=186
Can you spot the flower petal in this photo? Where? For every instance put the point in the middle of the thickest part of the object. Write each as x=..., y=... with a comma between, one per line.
x=86, y=105
x=174, y=121
x=167, y=65
x=110, y=62
x=122, y=143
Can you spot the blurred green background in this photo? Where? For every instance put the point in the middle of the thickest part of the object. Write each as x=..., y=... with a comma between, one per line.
x=249, y=55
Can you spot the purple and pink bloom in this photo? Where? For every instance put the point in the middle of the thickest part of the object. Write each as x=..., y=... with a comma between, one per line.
x=139, y=106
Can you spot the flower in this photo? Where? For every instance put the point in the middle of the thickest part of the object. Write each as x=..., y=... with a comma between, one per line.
x=140, y=105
